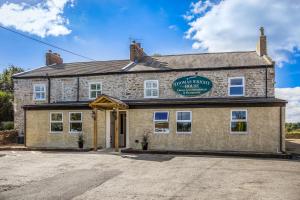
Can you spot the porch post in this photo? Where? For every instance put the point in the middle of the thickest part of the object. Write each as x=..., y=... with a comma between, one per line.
x=117, y=130
x=95, y=129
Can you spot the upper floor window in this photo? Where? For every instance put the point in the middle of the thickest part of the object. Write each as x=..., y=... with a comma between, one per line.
x=236, y=86
x=39, y=92
x=184, y=122
x=56, y=122
x=95, y=89
x=161, y=122
x=151, y=89
x=238, y=122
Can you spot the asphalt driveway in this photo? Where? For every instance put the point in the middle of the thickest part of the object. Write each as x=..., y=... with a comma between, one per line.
x=52, y=175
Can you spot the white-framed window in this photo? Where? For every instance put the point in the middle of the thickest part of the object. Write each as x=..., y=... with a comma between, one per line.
x=75, y=122
x=151, y=89
x=184, y=122
x=236, y=86
x=39, y=92
x=95, y=89
x=56, y=122
x=238, y=123
x=161, y=122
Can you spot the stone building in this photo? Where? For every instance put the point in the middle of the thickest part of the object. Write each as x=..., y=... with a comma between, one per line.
x=211, y=101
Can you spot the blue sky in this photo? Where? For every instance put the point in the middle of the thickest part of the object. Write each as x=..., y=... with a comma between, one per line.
x=101, y=30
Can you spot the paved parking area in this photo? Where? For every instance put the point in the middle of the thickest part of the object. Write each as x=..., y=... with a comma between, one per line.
x=53, y=175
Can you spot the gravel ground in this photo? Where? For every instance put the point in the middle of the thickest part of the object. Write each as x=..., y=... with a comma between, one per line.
x=53, y=175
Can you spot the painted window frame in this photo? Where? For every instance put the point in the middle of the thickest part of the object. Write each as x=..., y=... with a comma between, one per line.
x=191, y=121
x=76, y=121
x=51, y=121
x=238, y=120
x=154, y=120
x=145, y=93
x=34, y=91
x=91, y=90
x=230, y=86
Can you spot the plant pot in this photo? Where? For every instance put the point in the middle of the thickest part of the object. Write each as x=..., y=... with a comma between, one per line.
x=80, y=145
x=145, y=146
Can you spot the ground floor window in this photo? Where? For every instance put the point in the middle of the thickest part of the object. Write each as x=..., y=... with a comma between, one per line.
x=184, y=121
x=238, y=121
x=161, y=122
x=56, y=122
x=75, y=119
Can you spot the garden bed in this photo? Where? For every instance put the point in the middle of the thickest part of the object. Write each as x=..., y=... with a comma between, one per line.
x=8, y=137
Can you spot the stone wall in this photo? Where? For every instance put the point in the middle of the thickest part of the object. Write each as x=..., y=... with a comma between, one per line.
x=131, y=86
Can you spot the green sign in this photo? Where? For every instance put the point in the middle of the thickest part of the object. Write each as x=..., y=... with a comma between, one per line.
x=192, y=85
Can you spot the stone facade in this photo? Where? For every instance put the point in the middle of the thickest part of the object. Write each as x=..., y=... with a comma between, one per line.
x=131, y=86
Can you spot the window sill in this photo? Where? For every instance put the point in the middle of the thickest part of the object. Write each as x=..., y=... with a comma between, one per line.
x=239, y=133
x=55, y=133
x=161, y=133
x=153, y=97
x=184, y=133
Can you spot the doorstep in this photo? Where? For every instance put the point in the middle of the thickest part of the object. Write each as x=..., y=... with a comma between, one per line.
x=212, y=153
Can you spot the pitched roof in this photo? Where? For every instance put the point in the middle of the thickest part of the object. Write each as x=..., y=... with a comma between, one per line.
x=155, y=63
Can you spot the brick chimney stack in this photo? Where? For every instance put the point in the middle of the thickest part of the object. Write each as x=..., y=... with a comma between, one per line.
x=53, y=58
x=136, y=52
x=261, y=47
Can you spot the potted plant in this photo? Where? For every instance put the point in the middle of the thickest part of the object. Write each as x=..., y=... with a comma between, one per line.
x=145, y=141
x=80, y=141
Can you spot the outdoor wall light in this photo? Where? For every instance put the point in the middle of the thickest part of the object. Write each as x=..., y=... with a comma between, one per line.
x=93, y=114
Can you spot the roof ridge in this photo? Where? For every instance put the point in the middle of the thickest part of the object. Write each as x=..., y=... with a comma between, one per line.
x=186, y=54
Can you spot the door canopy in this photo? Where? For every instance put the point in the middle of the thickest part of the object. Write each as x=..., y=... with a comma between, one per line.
x=106, y=102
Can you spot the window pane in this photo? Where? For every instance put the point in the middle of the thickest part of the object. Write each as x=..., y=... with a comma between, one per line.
x=154, y=84
x=98, y=87
x=93, y=94
x=75, y=117
x=93, y=86
x=184, y=126
x=161, y=116
x=154, y=93
x=148, y=92
x=236, y=81
x=98, y=93
x=238, y=126
x=161, y=127
x=56, y=117
x=37, y=95
x=75, y=127
x=183, y=116
x=236, y=90
x=42, y=95
x=148, y=84
x=56, y=127
x=39, y=88
x=236, y=115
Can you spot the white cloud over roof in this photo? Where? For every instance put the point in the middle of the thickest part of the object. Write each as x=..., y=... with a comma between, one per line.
x=292, y=95
x=233, y=25
x=42, y=19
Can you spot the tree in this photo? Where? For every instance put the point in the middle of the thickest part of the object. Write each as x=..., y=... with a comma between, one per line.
x=6, y=106
x=6, y=82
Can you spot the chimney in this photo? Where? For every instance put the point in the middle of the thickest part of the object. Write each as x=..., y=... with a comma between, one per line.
x=53, y=58
x=261, y=47
x=136, y=52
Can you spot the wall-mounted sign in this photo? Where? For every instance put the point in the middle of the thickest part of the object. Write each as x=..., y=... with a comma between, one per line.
x=192, y=85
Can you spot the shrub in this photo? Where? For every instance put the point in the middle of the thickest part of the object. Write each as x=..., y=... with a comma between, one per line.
x=7, y=125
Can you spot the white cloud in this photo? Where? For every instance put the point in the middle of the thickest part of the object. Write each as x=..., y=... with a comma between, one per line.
x=41, y=19
x=292, y=95
x=233, y=25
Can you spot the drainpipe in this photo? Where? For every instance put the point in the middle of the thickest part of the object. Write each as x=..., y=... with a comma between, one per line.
x=280, y=132
x=49, y=88
x=25, y=127
x=266, y=77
